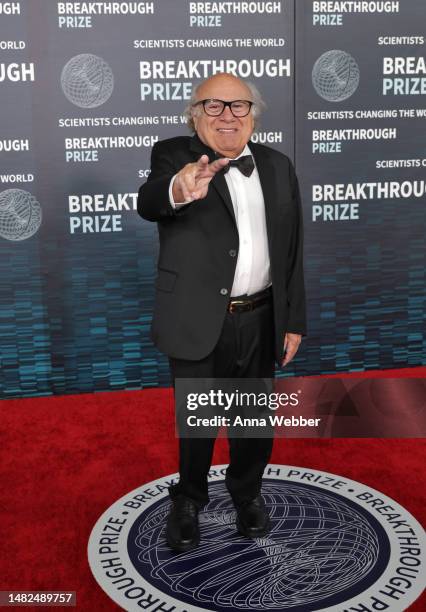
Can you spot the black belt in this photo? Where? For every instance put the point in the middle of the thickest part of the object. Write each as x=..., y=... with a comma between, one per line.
x=244, y=304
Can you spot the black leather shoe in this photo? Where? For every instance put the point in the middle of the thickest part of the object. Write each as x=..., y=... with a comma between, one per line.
x=182, y=529
x=253, y=519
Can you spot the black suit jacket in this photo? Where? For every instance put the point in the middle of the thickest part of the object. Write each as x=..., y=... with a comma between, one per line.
x=199, y=249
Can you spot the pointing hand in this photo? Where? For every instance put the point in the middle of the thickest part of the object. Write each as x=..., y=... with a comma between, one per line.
x=192, y=182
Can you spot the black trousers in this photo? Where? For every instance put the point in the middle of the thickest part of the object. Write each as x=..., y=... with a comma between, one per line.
x=245, y=349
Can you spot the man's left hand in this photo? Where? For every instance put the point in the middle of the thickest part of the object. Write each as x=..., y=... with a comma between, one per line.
x=291, y=344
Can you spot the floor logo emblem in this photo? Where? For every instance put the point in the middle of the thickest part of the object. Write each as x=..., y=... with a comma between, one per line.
x=335, y=544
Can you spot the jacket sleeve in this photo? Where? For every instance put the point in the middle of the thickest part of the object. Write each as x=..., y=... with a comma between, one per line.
x=295, y=274
x=153, y=197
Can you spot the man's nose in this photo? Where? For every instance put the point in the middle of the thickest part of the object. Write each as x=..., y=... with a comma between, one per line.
x=227, y=114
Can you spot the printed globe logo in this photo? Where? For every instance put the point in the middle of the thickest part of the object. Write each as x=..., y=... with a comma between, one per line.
x=87, y=80
x=20, y=214
x=335, y=75
x=317, y=546
x=328, y=549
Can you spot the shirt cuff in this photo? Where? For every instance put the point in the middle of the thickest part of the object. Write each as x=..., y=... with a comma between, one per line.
x=171, y=199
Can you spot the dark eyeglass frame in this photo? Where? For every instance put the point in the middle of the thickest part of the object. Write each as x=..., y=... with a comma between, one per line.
x=225, y=104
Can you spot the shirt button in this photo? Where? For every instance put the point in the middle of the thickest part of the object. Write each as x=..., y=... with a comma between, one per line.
x=224, y=291
x=232, y=252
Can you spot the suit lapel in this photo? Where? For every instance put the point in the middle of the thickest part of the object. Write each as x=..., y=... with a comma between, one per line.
x=218, y=182
x=267, y=178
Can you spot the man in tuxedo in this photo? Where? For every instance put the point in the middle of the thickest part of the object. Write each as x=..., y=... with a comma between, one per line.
x=230, y=297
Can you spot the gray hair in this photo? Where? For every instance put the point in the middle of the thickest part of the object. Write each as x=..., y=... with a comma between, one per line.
x=257, y=108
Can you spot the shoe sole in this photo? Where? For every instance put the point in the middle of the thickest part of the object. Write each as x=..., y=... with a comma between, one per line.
x=181, y=547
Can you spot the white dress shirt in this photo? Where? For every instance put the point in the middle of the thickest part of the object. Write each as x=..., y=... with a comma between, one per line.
x=252, y=273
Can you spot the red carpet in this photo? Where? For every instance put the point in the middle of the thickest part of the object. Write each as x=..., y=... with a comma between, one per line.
x=65, y=459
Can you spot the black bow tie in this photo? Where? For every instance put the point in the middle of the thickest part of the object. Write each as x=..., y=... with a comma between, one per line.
x=245, y=164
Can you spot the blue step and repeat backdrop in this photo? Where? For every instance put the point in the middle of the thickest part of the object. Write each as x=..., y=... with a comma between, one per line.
x=86, y=89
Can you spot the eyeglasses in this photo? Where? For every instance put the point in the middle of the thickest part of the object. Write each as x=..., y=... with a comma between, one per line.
x=214, y=108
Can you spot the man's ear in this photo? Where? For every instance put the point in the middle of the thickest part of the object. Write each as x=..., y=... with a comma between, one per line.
x=194, y=115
